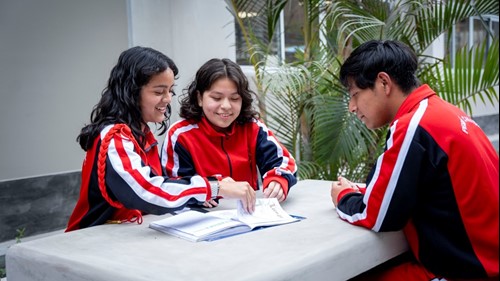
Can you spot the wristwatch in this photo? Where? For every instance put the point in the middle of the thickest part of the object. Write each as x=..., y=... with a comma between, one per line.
x=214, y=187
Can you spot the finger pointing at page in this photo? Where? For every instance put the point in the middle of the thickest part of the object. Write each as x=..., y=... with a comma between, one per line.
x=239, y=190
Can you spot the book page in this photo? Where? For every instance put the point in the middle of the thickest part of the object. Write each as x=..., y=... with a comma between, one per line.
x=213, y=225
x=195, y=226
x=267, y=212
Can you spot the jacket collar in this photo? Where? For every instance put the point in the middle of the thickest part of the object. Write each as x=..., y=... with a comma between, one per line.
x=413, y=99
x=207, y=127
x=150, y=141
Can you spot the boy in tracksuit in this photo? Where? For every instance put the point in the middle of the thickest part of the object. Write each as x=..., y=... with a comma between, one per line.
x=437, y=179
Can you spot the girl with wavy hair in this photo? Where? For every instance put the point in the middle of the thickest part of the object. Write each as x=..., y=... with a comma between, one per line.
x=220, y=132
x=122, y=177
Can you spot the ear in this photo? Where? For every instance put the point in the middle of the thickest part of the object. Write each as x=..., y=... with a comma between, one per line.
x=386, y=81
x=200, y=99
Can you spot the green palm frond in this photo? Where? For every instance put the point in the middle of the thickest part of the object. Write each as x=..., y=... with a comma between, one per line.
x=439, y=17
x=356, y=22
x=285, y=88
x=261, y=32
x=337, y=132
x=474, y=76
x=305, y=105
x=417, y=23
x=310, y=170
x=340, y=140
x=367, y=20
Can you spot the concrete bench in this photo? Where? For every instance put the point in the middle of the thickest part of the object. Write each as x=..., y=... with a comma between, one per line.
x=37, y=206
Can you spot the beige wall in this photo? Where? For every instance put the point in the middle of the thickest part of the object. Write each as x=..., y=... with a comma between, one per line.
x=55, y=58
x=189, y=31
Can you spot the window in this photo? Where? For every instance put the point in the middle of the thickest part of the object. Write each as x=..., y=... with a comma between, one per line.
x=258, y=25
x=473, y=31
x=294, y=37
x=288, y=38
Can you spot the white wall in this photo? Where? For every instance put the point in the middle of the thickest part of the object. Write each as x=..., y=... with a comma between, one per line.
x=56, y=55
x=203, y=29
x=189, y=31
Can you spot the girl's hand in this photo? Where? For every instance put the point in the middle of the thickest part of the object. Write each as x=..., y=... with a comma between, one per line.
x=274, y=190
x=238, y=190
x=210, y=204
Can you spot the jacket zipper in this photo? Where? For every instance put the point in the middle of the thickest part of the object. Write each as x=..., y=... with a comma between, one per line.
x=227, y=156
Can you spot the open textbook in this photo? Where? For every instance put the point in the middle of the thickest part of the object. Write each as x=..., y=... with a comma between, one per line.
x=197, y=226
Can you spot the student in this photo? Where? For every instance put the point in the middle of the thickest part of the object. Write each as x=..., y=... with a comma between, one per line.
x=122, y=177
x=221, y=133
x=437, y=178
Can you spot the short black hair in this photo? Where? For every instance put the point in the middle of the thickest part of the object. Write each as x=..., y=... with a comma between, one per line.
x=395, y=58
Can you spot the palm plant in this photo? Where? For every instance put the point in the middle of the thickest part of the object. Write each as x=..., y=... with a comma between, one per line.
x=303, y=101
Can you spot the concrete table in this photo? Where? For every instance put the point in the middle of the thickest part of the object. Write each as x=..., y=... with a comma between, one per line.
x=321, y=247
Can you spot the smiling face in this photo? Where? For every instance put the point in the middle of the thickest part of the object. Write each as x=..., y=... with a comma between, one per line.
x=156, y=95
x=221, y=103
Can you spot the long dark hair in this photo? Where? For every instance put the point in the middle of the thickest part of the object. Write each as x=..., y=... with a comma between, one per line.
x=208, y=73
x=120, y=100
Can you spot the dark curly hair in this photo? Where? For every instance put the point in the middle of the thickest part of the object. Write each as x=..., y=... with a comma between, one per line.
x=120, y=100
x=206, y=76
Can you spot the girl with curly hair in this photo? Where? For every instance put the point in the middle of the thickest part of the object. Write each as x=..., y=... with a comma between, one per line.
x=122, y=177
x=221, y=133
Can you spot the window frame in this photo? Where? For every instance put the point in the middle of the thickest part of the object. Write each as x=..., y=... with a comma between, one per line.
x=490, y=21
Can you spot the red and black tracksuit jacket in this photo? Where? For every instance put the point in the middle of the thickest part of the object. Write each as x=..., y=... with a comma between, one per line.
x=192, y=148
x=438, y=180
x=133, y=182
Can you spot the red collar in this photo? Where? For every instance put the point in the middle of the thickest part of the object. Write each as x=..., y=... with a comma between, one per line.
x=208, y=128
x=413, y=99
x=151, y=141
